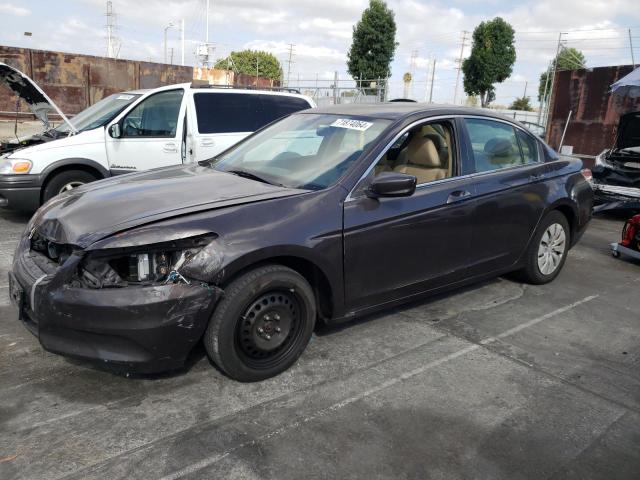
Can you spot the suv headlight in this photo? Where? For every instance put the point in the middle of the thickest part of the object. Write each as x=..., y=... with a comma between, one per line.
x=15, y=165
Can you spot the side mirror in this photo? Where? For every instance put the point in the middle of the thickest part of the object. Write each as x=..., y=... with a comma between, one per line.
x=114, y=131
x=390, y=184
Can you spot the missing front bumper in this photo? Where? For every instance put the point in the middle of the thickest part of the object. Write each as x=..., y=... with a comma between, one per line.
x=141, y=329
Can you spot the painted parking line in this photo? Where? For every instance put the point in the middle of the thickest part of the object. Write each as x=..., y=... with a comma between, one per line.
x=206, y=462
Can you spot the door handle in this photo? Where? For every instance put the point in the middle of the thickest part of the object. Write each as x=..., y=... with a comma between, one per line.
x=534, y=177
x=169, y=148
x=207, y=142
x=458, y=195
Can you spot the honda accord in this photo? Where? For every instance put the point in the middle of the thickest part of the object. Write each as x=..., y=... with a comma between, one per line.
x=323, y=216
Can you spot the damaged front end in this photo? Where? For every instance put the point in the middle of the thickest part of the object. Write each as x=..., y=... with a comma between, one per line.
x=616, y=174
x=139, y=307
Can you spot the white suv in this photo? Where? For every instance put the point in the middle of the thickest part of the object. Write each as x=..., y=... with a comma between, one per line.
x=133, y=131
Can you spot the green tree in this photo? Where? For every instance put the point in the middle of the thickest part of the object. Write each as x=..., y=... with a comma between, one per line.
x=374, y=44
x=521, y=103
x=567, y=59
x=491, y=61
x=247, y=61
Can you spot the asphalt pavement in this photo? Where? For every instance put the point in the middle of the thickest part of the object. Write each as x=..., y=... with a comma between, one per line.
x=498, y=381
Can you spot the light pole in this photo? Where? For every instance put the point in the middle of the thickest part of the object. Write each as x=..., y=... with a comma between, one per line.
x=165, y=40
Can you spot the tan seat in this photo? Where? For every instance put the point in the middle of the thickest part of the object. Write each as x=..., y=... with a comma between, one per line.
x=423, y=161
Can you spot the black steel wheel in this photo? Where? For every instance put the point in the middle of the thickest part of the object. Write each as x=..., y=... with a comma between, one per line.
x=262, y=324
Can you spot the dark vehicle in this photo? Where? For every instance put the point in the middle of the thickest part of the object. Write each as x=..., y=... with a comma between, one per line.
x=616, y=174
x=323, y=216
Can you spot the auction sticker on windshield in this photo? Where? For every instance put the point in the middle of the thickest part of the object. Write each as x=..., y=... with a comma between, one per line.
x=351, y=124
x=124, y=97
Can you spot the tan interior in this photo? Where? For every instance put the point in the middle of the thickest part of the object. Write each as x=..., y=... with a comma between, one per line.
x=424, y=156
x=423, y=161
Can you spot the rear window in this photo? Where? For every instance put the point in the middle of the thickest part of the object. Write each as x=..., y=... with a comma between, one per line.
x=233, y=112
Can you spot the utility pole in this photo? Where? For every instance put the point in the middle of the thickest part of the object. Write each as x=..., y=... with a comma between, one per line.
x=165, y=40
x=412, y=69
x=111, y=50
x=182, y=40
x=335, y=87
x=633, y=60
x=553, y=78
x=291, y=47
x=524, y=95
x=207, y=24
x=433, y=74
x=459, y=62
x=171, y=55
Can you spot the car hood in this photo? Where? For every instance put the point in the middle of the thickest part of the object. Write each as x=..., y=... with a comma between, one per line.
x=100, y=209
x=38, y=101
x=628, y=134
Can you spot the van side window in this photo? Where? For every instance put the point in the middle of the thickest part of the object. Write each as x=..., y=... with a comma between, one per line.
x=156, y=116
x=220, y=112
x=274, y=107
x=226, y=112
x=494, y=145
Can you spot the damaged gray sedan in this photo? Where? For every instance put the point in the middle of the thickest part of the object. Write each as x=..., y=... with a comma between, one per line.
x=323, y=216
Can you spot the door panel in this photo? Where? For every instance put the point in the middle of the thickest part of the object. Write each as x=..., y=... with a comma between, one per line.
x=511, y=193
x=395, y=247
x=151, y=134
x=508, y=207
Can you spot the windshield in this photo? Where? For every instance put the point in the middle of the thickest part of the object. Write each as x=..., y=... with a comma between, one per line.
x=99, y=113
x=308, y=151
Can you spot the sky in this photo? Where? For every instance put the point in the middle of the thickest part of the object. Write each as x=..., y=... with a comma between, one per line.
x=321, y=32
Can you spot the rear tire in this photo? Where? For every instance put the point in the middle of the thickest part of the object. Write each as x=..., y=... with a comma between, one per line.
x=64, y=181
x=548, y=250
x=262, y=324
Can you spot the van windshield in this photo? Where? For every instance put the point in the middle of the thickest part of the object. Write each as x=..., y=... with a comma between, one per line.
x=308, y=151
x=99, y=113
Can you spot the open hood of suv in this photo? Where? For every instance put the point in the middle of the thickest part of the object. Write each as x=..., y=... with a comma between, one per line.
x=39, y=103
x=628, y=131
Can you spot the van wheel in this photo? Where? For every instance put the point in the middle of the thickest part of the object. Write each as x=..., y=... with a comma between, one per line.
x=65, y=181
x=262, y=324
x=548, y=250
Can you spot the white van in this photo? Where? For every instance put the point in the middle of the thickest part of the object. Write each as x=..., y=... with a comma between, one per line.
x=129, y=131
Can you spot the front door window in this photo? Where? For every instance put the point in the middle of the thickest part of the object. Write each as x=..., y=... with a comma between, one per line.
x=155, y=117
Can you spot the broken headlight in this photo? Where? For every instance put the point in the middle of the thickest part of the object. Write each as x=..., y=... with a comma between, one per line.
x=140, y=266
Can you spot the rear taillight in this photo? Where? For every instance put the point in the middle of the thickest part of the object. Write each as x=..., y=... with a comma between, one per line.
x=586, y=173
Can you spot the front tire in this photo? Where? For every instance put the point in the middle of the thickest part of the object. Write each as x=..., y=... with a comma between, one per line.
x=548, y=249
x=65, y=181
x=262, y=324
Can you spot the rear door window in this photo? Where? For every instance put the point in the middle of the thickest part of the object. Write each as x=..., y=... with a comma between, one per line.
x=529, y=146
x=494, y=145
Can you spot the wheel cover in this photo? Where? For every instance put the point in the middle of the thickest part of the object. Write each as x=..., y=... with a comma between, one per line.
x=269, y=328
x=551, y=249
x=70, y=186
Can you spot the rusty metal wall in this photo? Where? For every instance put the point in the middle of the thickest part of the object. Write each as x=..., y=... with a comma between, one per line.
x=595, y=114
x=76, y=81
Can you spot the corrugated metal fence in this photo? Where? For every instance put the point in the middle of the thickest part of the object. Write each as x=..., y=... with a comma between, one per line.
x=595, y=112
